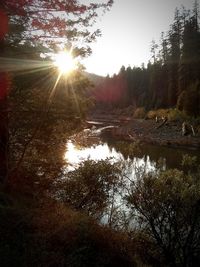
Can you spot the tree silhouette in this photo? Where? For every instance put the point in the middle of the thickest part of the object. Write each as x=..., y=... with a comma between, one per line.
x=31, y=23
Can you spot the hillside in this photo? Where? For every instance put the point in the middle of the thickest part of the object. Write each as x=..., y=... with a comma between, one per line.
x=94, y=78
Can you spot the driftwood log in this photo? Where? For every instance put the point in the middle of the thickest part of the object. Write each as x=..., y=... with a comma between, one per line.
x=164, y=120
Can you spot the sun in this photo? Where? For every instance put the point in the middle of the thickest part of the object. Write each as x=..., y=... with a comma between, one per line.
x=65, y=62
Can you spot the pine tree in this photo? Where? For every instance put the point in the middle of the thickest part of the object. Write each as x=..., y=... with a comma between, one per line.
x=190, y=59
x=164, y=53
x=174, y=58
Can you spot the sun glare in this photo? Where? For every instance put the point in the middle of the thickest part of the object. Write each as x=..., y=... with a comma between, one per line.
x=64, y=62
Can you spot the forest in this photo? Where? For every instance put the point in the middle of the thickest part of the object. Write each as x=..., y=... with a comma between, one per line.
x=102, y=212
x=171, y=78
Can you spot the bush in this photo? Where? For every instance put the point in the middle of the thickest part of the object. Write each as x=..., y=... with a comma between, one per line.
x=152, y=114
x=53, y=235
x=176, y=115
x=167, y=206
x=139, y=113
x=88, y=188
x=170, y=114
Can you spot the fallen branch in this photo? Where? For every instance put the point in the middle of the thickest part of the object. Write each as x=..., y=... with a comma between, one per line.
x=163, y=123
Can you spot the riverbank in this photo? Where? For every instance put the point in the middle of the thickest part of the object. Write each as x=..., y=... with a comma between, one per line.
x=128, y=129
x=150, y=131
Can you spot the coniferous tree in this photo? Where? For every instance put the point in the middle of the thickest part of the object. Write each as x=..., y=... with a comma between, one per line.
x=171, y=72
x=164, y=54
x=174, y=59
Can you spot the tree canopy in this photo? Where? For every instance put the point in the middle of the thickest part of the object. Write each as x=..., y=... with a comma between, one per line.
x=51, y=22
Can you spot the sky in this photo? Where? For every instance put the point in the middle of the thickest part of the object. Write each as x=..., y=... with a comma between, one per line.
x=127, y=31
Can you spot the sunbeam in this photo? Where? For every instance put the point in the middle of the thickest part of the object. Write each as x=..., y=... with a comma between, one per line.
x=54, y=88
x=75, y=98
x=64, y=62
x=24, y=66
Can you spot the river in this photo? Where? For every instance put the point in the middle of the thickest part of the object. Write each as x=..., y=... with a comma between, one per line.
x=150, y=156
x=137, y=159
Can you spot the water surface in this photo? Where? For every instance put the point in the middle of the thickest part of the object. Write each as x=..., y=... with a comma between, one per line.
x=137, y=159
x=149, y=156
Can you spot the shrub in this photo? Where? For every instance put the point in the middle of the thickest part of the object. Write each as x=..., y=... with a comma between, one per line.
x=176, y=115
x=139, y=113
x=152, y=114
x=53, y=235
x=88, y=188
x=171, y=114
x=166, y=205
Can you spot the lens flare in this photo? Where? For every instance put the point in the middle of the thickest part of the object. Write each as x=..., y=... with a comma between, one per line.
x=64, y=62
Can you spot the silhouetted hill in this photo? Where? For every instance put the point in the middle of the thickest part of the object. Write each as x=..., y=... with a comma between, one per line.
x=94, y=78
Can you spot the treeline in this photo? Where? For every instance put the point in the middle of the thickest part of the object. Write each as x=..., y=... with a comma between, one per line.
x=172, y=76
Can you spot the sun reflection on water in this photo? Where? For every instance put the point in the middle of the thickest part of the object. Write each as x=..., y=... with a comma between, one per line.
x=75, y=155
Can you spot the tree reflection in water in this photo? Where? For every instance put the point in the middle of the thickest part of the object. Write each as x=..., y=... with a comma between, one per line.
x=134, y=161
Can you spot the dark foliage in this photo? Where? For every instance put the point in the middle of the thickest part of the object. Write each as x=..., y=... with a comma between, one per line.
x=53, y=235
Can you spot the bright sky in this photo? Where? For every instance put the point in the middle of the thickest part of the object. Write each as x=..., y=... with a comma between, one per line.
x=127, y=32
